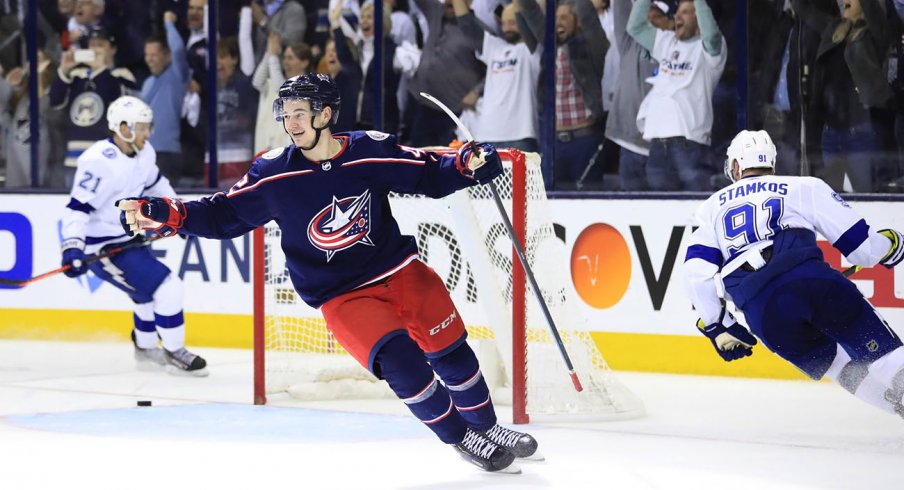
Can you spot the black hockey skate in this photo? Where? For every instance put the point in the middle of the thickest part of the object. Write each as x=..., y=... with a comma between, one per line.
x=476, y=448
x=522, y=445
x=182, y=361
x=152, y=359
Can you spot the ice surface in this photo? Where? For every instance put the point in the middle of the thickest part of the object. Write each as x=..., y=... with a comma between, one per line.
x=68, y=419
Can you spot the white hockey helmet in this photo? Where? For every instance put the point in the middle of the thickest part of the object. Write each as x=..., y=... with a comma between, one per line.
x=751, y=149
x=129, y=110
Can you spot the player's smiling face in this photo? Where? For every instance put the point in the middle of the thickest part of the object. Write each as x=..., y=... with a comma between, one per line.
x=297, y=121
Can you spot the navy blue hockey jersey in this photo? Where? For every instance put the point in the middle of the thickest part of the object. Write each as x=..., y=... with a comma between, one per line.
x=338, y=232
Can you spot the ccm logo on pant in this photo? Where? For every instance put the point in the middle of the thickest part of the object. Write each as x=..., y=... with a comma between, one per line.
x=448, y=321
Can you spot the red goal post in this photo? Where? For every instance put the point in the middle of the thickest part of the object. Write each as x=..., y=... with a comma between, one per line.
x=472, y=252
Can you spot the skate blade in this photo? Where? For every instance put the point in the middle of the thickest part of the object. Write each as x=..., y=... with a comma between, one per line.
x=198, y=373
x=536, y=457
x=511, y=469
x=149, y=366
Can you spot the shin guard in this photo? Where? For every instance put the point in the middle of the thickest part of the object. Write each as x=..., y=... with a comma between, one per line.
x=402, y=364
x=460, y=372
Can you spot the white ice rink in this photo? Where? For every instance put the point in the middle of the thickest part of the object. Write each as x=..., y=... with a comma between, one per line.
x=68, y=419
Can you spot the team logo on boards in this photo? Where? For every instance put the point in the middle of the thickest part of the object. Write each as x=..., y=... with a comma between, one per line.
x=342, y=224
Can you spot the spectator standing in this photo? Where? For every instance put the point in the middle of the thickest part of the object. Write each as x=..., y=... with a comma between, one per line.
x=268, y=77
x=341, y=64
x=284, y=17
x=193, y=128
x=510, y=88
x=87, y=14
x=366, y=46
x=237, y=102
x=164, y=90
x=852, y=84
x=15, y=124
x=83, y=91
x=635, y=66
x=580, y=57
x=448, y=70
x=676, y=116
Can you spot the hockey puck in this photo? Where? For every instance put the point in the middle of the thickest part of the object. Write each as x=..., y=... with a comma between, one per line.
x=144, y=403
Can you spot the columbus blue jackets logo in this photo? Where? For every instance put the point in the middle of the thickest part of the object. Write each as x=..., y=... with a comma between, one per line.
x=342, y=224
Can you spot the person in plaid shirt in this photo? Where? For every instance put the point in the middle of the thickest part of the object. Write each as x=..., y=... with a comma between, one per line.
x=580, y=57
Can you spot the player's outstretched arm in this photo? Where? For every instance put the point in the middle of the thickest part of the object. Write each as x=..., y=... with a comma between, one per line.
x=731, y=340
x=162, y=215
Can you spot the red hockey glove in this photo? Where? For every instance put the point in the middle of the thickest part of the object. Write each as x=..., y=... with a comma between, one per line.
x=161, y=215
x=479, y=161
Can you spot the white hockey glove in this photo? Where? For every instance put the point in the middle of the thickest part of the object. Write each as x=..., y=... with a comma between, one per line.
x=896, y=252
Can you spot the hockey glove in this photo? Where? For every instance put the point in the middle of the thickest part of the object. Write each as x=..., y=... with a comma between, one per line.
x=74, y=257
x=732, y=342
x=161, y=215
x=479, y=161
x=896, y=252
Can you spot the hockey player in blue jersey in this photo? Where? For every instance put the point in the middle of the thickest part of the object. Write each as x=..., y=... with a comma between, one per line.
x=758, y=237
x=109, y=170
x=345, y=255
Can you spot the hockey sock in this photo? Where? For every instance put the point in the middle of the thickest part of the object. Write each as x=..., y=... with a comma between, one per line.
x=460, y=372
x=856, y=378
x=888, y=366
x=168, y=313
x=402, y=364
x=171, y=329
x=145, y=333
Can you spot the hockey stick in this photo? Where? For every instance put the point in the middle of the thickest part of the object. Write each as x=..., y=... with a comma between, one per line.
x=89, y=259
x=518, y=249
x=850, y=271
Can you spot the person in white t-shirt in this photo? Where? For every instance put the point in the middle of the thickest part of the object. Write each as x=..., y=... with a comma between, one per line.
x=676, y=116
x=507, y=111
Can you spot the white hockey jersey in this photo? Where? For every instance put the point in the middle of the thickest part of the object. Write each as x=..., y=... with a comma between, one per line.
x=104, y=175
x=740, y=219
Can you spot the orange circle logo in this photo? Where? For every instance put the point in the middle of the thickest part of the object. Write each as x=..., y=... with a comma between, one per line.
x=600, y=266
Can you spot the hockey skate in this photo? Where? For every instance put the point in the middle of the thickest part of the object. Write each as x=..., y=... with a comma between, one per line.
x=522, y=445
x=152, y=359
x=182, y=361
x=477, y=449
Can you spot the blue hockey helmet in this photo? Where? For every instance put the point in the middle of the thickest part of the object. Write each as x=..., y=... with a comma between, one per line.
x=319, y=89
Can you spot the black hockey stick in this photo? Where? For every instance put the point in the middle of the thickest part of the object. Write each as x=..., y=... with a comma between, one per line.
x=518, y=250
x=850, y=271
x=89, y=259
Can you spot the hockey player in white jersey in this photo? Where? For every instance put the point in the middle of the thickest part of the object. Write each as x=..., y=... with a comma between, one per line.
x=758, y=237
x=121, y=166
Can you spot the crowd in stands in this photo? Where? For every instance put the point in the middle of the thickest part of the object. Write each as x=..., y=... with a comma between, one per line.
x=646, y=92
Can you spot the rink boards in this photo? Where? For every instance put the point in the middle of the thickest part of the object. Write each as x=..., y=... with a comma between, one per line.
x=623, y=259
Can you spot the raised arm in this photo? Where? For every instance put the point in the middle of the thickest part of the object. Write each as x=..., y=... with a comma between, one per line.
x=642, y=31
x=530, y=23
x=177, y=47
x=472, y=28
x=709, y=30
x=597, y=42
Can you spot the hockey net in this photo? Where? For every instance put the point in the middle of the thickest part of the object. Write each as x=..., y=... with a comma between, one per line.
x=463, y=238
